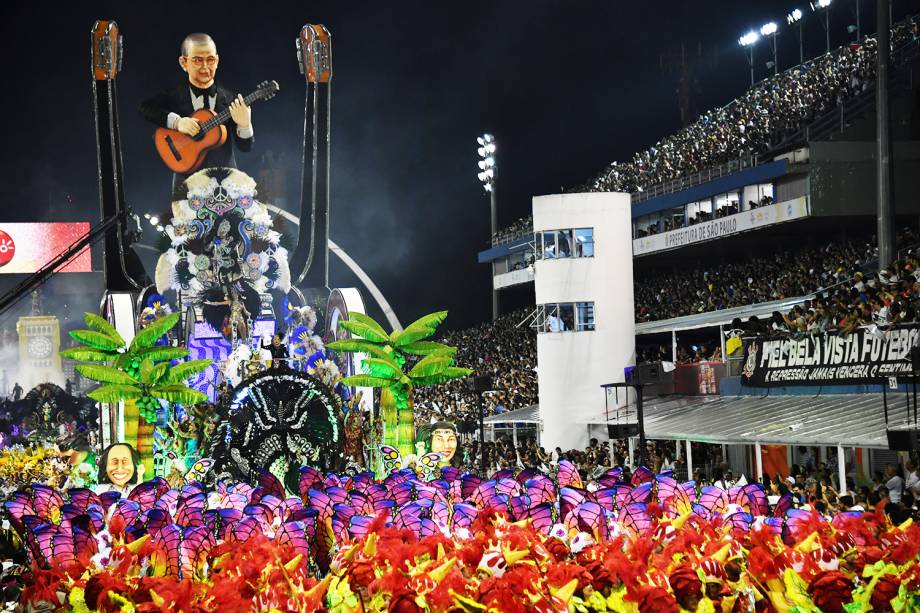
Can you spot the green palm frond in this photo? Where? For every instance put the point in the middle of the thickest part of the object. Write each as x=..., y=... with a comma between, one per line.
x=88, y=354
x=150, y=373
x=181, y=372
x=427, y=348
x=364, y=331
x=178, y=393
x=159, y=353
x=105, y=374
x=367, y=381
x=149, y=335
x=115, y=393
x=449, y=373
x=383, y=368
x=361, y=318
x=359, y=345
x=410, y=335
x=101, y=325
x=96, y=340
x=432, y=320
x=431, y=365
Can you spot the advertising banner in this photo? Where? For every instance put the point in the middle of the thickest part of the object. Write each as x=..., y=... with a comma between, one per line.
x=27, y=247
x=723, y=226
x=867, y=355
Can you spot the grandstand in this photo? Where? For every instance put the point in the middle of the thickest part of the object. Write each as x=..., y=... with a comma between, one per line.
x=755, y=221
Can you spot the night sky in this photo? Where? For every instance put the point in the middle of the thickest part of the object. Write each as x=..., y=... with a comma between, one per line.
x=565, y=86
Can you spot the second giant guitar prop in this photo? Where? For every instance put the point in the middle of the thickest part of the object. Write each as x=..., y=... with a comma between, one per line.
x=183, y=153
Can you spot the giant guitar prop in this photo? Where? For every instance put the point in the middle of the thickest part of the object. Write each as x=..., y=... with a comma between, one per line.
x=184, y=154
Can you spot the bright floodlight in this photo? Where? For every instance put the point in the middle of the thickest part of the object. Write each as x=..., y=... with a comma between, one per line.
x=154, y=221
x=486, y=163
x=159, y=228
x=820, y=4
x=749, y=39
x=768, y=28
x=794, y=16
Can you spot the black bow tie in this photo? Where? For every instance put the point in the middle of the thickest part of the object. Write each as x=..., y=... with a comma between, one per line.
x=198, y=92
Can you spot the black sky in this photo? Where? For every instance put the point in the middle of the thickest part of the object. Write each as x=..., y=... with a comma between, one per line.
x=566, y=86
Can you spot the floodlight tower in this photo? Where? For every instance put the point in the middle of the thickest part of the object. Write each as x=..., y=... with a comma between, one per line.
x=748, y=41
x=770, y=29
x=824, y=5
x=796, y=17
x=486, y=176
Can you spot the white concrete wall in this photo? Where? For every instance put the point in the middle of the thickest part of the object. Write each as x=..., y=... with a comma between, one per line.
x=573, y=365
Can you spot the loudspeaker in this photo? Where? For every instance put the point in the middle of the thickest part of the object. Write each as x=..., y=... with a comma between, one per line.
x=616, y=431
x=479, y=384
x=902, y=440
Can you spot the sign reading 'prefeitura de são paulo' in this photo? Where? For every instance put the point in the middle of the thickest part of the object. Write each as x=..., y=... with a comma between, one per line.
x=867, y=355
x=723, y=226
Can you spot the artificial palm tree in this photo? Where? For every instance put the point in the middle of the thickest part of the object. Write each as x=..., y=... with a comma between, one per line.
x=140, y=374
x=387, y=356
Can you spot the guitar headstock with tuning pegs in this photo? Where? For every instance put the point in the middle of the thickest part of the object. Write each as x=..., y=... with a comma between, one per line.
x=107, y=50
x=265, y=90
x=314, y=53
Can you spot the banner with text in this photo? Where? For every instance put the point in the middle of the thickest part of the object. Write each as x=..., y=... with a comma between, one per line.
x=722, y=227
x=868, y=355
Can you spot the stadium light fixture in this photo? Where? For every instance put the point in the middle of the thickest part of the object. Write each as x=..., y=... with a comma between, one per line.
x=486, y=176
x=824, y=5
x=747, y=41
x=797, y=17
x=770, y=29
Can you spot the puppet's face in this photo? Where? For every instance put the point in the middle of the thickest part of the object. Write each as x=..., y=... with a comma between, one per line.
x=119, y=467
x=444, y=441
x=200, y=64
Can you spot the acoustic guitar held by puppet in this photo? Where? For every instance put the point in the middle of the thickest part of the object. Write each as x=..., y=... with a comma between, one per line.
x=184, y=154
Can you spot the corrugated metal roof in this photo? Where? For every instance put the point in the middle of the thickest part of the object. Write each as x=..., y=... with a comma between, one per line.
x=529, y=414
x=852, y=420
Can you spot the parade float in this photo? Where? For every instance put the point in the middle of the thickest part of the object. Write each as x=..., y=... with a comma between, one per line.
x=233, y=457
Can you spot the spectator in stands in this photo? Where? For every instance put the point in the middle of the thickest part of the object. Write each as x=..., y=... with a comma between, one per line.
x=766, y=115
x=502, y=349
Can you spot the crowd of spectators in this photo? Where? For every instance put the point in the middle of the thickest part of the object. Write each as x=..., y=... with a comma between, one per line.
x=760, y=119
x=687, y=353
x=501, y=349
x=782, y=274
x=883, y=299
x=521, y=227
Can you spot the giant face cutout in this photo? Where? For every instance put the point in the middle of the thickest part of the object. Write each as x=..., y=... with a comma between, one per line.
x=444, y=441
x=119, y=467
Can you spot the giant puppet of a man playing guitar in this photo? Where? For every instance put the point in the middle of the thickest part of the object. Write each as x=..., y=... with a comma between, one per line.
x=191, y=134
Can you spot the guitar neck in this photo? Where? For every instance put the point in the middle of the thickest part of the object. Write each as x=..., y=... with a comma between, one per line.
x=224, y=115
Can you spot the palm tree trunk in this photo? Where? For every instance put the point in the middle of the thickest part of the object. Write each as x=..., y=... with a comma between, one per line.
x=407, y=429
x=145, y=446
x=131, y=416
x=388, y=414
